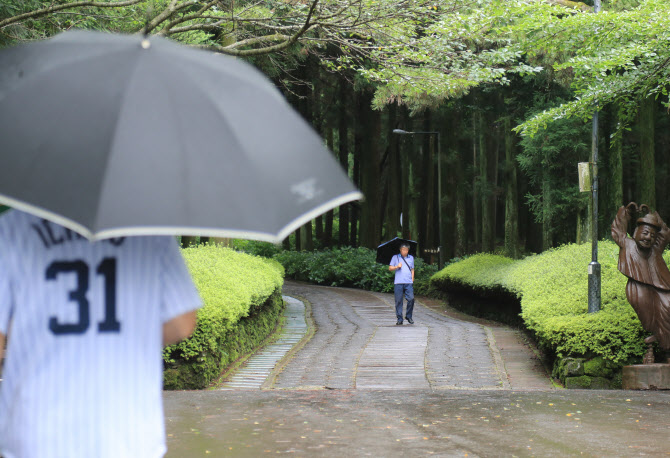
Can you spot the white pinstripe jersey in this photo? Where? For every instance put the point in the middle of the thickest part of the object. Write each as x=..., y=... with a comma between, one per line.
x=83, y=369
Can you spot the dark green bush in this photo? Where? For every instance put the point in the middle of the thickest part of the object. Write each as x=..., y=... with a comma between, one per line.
x=553, y=290
x=349, y=267
x=242, y=302
x=256, y=248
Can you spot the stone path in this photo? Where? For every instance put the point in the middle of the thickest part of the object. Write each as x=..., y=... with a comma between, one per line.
x=256, y=370
x=449, y=385
x=394, y=358
x=356, y=345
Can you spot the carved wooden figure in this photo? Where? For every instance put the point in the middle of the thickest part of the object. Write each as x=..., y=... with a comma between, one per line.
x=641, y=260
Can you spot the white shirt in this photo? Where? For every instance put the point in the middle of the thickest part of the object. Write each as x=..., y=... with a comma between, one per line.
x=83, y=369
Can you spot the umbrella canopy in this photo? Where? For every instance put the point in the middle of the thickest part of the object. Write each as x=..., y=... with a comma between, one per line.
x=114, y=135
x=387, y=250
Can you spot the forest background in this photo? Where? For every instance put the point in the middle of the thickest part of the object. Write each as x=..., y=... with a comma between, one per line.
x=510, y=85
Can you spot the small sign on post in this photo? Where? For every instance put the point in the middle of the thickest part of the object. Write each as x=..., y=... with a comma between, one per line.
x=433, y=252
x=584, y=170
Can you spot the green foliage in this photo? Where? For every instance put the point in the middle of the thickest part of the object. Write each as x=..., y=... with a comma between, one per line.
x=233, y=286
x=549, y=161
x=352, y=267
x=619, y=56
x=256, y=248
x=553, y=290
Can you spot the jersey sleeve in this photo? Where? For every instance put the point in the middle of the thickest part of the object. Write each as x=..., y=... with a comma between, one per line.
x=179, y=293
x=6, y=299
x=392, y=263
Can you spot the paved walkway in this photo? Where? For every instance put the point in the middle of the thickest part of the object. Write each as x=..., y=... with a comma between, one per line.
x=257, y=370
x=449, y=385
x=356, y=345
x=417, y=423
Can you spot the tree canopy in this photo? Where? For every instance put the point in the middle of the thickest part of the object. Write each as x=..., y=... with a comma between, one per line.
x=416, y=52
x=620, y=56
x=470, y=70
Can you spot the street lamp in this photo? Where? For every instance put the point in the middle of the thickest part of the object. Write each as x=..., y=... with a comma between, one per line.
x=440, y=260
x=594, y=266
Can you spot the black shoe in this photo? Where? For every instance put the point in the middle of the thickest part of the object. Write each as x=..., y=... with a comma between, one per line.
x=409, y=320
x=398, y=323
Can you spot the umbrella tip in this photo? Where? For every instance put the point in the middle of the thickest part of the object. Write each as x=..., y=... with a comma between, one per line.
x=146, y=44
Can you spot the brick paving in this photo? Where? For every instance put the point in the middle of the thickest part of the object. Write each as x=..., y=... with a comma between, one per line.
x=356, y=345
x=449, y=385
x=329, y=359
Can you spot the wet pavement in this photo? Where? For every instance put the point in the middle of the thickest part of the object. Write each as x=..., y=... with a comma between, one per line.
x=396, y=423
x=351, y=382
x=357, y=345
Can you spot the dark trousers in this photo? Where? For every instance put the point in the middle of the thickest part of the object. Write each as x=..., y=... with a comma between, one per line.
x=407, y=290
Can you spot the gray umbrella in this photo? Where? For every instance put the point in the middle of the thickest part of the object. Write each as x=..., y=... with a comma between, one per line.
x=116, y=135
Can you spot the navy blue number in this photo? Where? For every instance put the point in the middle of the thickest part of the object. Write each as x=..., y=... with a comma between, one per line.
x=78, y=295
x=107, y=268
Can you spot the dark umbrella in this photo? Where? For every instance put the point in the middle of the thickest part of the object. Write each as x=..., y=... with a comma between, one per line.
x=387, y=250
x=116, y=135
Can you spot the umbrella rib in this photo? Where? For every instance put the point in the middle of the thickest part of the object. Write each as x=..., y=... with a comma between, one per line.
x=113, y=138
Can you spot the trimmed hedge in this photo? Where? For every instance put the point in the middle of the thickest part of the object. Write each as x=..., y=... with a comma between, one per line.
x=241, y=305
x=350, y=267
x=553, y=290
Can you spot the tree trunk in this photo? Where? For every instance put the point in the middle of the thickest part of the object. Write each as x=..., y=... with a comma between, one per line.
x=583, y=228
x=484, y=188
x=392, y=179
x=405, y=174
x=494, y=180
x=647, y=150
x=461, y=233
x=358, y=152
x=308, y=241
x=370, y=132
x=343, y=150
x=547, y=204
x=475, y=180
x=616, y=172
x=430, y=187
x=511, y=200
x=298, y=241
x=318, y=229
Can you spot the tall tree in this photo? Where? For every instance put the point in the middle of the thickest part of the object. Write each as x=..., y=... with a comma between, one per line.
x=511, y=193
x=647, y=152
x=369, y=132
x=343, y=153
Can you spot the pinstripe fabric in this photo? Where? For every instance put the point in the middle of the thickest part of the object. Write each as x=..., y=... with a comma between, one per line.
x=77, y=385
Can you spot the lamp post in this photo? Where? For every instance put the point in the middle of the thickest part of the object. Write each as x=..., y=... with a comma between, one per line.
x=440, y=260
x=594, y=266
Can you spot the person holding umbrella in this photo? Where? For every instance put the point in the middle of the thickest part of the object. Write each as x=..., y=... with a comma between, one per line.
x=403, y=266
x=86, y=323
x=161, y=140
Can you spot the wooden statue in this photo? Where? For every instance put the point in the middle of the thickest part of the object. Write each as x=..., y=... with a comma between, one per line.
x=641, y=260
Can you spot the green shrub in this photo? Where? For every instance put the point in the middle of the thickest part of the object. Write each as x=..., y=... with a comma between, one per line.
x=256, y=248
x=351, y=267
x=553, y=289
x=295, y=264
x=233, y=286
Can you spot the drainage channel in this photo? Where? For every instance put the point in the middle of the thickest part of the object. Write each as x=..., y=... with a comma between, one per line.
x=253, y=373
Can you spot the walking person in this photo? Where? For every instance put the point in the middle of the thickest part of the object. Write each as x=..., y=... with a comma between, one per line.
x=403, y=266
x=85, y=324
